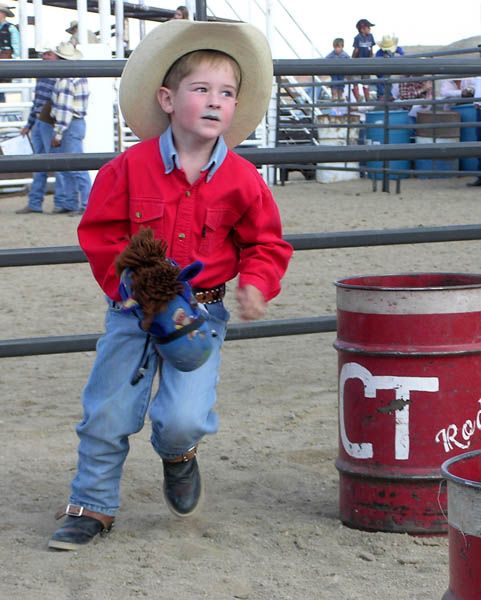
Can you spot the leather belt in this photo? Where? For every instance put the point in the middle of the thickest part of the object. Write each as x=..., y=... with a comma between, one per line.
x=44, y=114
x=209, y=296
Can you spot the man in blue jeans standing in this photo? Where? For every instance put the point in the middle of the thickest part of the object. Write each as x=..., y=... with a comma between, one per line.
x=69, y=108
x=40, y=126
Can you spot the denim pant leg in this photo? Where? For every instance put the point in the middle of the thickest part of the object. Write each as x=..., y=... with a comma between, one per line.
x=113, y=410
x=72, y=143
x=41, y=138
x=85, y=185
x=182, y=409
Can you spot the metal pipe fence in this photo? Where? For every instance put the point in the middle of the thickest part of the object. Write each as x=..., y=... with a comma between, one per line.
x=258, y=156
x=236, y=331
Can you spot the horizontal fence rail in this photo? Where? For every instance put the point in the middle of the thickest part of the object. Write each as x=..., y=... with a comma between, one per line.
x=260, y=156
x=307, y=155
x=236, y=331
x=62, y=255
x=315, y=66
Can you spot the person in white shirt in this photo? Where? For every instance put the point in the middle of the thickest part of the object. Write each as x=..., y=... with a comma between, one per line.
x=456, y=88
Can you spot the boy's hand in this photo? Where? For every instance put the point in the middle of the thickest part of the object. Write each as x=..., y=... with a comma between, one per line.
x=251, y=303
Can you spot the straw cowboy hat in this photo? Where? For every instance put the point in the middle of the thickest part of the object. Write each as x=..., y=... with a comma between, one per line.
x=388, y=43
x=6, y=10
x=149, y=62
x=68, y=51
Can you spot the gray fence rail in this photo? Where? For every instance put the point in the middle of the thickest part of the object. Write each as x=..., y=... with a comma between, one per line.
x=259, y=156
x=315, y=66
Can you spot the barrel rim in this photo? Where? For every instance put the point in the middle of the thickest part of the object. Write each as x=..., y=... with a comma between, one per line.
x=340, y=283
x=455, y=478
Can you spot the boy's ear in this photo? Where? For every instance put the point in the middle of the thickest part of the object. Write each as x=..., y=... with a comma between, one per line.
x=164, y=98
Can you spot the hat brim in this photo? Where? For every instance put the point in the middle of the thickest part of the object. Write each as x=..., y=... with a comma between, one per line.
x=148, y=64
x=75, y=56
x=70, y=30
x=7, y=12
x=388, y=48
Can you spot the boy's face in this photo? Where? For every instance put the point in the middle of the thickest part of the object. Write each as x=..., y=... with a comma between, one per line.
x=203, y=106
x=365, y=29
x=338, y=49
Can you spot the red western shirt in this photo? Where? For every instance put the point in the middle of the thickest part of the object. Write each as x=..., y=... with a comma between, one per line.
x=230, y=222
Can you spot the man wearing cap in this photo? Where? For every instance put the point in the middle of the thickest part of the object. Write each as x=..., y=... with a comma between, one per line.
x=73, y=30
x=9, y=39
x=69, y=108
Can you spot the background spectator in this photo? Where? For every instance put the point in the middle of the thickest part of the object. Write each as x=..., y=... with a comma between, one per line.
x=9, y=40
x=456, y=88
x=337, y=52
x=388, y=48
x=40, y=125
x=69, y=108
x=181, y=12
x=73, y=30
x=363, y=43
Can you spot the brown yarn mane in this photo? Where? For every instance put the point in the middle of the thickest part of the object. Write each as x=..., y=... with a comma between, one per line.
x=154, y=279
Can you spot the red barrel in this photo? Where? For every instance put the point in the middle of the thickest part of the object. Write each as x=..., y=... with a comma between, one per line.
x=463, y=474
x=409, y=349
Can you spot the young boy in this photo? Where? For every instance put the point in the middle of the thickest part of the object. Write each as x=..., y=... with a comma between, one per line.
x=207, y=203
x=338, y=52
x=363, y=43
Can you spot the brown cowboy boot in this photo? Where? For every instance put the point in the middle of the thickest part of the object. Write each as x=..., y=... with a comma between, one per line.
x=182, y=484
x=79, y=528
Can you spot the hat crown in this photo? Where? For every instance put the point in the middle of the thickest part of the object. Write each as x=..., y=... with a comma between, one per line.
x=149, y=63
x=68, y=51
x=388, y=42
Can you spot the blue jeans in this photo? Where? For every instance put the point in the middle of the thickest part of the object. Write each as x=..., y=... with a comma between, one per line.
x=181, y=410
x=75, y=185
x=41, y=138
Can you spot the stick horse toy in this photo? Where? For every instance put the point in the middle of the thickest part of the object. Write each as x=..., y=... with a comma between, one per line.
x=158, y=292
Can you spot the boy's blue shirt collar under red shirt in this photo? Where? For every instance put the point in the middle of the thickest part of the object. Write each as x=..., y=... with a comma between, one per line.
x=171, y=160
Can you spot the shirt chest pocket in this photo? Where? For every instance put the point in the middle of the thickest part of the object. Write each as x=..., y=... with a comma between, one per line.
x=148, y=214
x=216, y=227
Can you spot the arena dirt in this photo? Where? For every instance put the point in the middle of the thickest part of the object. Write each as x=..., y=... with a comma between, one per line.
x=269, y=528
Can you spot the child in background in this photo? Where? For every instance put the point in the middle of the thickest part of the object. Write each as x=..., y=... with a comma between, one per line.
x=338, y=52
x=363, y=43
x=181, y=12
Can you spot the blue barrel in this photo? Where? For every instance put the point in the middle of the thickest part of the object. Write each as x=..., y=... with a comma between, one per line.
x=375, y=135
x=467, y=113
x=439, y=164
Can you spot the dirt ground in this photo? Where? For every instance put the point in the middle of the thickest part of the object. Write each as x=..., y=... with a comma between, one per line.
x=269, y=528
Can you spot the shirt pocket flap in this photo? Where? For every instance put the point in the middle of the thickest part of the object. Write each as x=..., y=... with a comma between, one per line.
x=215, y=217
x=144, y=211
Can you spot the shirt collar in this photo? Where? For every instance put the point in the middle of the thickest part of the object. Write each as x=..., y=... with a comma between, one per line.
x=171, y=159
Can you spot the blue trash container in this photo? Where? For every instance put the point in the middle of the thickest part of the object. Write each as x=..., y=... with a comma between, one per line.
x=375, y=135
x=467, y=113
